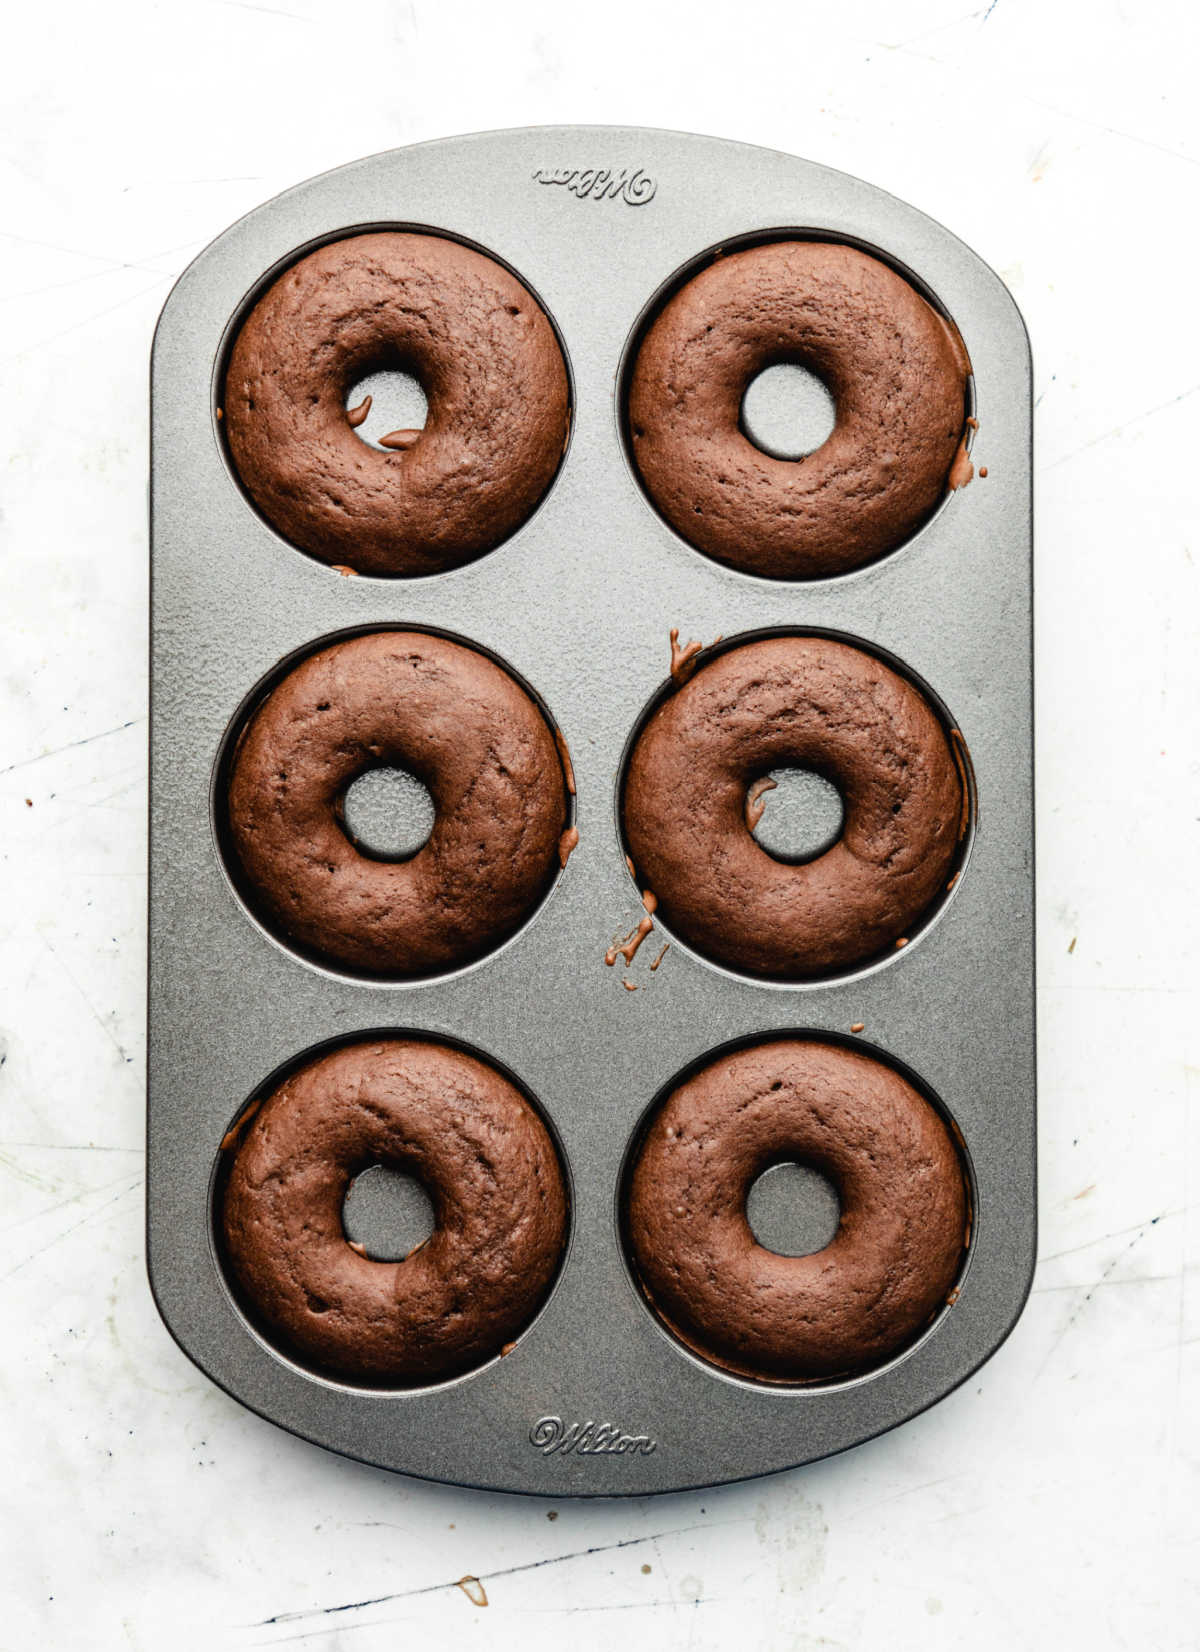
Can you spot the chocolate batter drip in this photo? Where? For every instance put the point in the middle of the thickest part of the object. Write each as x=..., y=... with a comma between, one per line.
x=628, y=947
x=682, y=659
x=565, y=758
x=566, y=843
x=356, y=415
x=400, y=439
x=962, y=470
x=754, y=803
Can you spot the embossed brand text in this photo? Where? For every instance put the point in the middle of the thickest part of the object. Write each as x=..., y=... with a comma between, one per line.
x=601, y=183
x=551, y=1434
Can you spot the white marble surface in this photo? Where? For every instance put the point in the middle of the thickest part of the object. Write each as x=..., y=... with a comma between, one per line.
x=1051, y=1502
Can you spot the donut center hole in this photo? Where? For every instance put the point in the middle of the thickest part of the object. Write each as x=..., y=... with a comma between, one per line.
x=387, y=814
x=787, y=411
x=801, y=814
x=397, y=404
x=387, y=1212
x=793, y=1209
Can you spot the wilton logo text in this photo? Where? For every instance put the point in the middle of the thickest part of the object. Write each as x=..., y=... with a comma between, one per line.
x=600, y=183
x=551, y=1434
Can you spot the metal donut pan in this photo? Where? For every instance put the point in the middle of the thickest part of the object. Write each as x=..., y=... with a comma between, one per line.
x=596, y=1398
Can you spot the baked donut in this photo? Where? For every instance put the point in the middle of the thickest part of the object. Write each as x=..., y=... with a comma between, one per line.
x=897, y=373
x=487, y=359
x=813, y=703
x=900, y=1238
x=491, y=1171
x=461, y=725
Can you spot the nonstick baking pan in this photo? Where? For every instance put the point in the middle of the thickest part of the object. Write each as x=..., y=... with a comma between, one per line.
x=597, y=1397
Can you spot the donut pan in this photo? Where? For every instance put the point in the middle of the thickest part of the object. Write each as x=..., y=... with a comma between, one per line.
x=596, y=1397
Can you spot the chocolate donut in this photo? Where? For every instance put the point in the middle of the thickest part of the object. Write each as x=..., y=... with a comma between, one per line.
x=897, y=373
x=812, y=703
x=490, y=366
x=901, y=1234
x=461, y=725
x=490, y=1169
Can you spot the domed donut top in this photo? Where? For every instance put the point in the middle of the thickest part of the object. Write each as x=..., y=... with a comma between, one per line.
x=902, y=1230
x=897, y=373
x=461, y=725
x=488, y=1164
x=814, y=703
x=487, y=359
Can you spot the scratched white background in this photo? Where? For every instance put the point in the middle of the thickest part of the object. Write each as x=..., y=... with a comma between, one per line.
x=1052, y=1502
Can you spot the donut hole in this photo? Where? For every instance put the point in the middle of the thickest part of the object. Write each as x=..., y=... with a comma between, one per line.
x=793, y=1209
x=398, y=403
x=800, y=814
x=387, y=1212
x=387, y=814
x=787, y=411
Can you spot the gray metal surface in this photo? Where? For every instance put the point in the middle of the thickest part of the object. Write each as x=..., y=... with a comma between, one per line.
x=579, y=602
